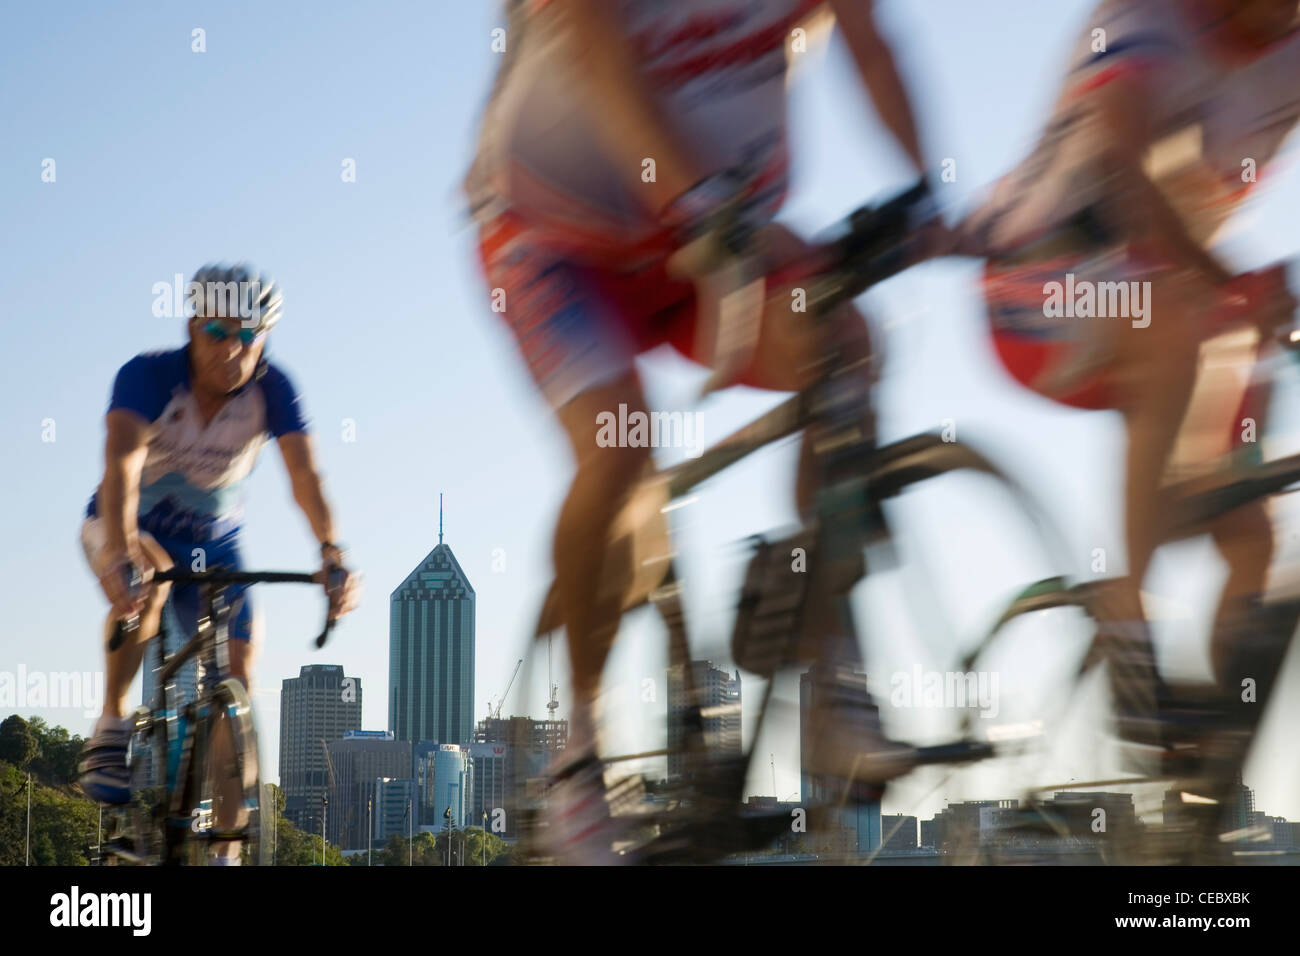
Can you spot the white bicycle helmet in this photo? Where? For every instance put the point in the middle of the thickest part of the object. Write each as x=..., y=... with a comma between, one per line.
x=254, y=295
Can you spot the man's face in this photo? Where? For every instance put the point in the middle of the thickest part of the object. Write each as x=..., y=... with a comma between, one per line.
x=222, y=360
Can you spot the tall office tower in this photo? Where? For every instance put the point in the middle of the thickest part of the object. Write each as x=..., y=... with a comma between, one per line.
x=357, y=761
x=431, y=651
x=719, y=701
x=317, y=707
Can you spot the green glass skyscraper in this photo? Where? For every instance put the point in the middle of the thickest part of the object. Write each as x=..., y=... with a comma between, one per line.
x=431, y=651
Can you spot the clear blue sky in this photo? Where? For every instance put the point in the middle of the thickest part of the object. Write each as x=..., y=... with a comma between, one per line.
x=167, y=159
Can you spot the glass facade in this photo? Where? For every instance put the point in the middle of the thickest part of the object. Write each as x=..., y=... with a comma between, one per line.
x=431, y=652
x=452, y=782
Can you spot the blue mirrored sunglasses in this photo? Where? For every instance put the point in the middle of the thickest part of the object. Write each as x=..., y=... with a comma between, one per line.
x=218, y=332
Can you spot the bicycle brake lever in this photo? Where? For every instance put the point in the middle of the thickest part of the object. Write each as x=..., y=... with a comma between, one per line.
x=120, y=632
x=323, y=636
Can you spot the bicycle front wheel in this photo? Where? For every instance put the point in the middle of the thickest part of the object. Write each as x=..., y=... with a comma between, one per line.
x=228, y=811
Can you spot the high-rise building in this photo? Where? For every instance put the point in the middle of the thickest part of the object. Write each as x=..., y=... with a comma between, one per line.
x=452, y=780
x=357, y=761
x=719, y=702
x=897, y=832
x=536, y=736
x=1240, y=807
x=490, y=768
x=317, y=707
x=506, y=754
x=431, y=652
x=394, y=802
x=820, y=688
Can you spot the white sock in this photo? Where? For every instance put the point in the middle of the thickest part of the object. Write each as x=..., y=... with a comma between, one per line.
x=109, y=723
x=226, y=861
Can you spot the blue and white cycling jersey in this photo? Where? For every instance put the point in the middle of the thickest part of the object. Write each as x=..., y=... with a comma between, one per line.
x=192, y=483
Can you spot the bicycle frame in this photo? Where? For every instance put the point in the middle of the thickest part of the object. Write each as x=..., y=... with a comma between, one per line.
x=177, y=740
x=854, y=476
x=1192, y=504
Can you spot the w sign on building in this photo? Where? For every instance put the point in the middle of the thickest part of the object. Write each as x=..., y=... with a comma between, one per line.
x=431, y=652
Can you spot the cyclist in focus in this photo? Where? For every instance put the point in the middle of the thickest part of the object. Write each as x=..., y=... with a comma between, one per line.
x=185, y=428
x=576, y=234
x=1167, y=110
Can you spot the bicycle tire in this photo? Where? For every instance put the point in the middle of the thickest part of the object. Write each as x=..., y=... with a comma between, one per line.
x=243, y=774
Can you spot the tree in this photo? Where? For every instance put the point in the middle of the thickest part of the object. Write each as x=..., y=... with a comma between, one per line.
x=63, y=826
x=468, y=848
x=59, y=752
x=17, y=744
x=292, y=846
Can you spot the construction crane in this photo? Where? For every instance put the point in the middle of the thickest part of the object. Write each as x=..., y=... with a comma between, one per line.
x=496, y=712
x=552, y=691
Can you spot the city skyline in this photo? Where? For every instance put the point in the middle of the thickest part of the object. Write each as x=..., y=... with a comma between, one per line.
x=413, y=384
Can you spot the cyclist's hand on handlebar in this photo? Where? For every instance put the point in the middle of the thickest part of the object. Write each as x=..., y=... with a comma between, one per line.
x=125, y=581
x=343, y=587
x=717, y=252
x=933, y=238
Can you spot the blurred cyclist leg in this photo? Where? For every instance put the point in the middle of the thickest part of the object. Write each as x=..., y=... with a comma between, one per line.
x=228, y=811
x=103, y=771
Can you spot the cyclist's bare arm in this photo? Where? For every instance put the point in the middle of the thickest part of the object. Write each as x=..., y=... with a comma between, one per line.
x=879, y=74
x=309, y=493
x=632, y=127
x=118, y=502
x=1120, y=108
x=305, y=481
x=1121, y=112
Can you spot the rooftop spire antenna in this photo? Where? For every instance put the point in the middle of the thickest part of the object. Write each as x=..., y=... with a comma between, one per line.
x=440, y=517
